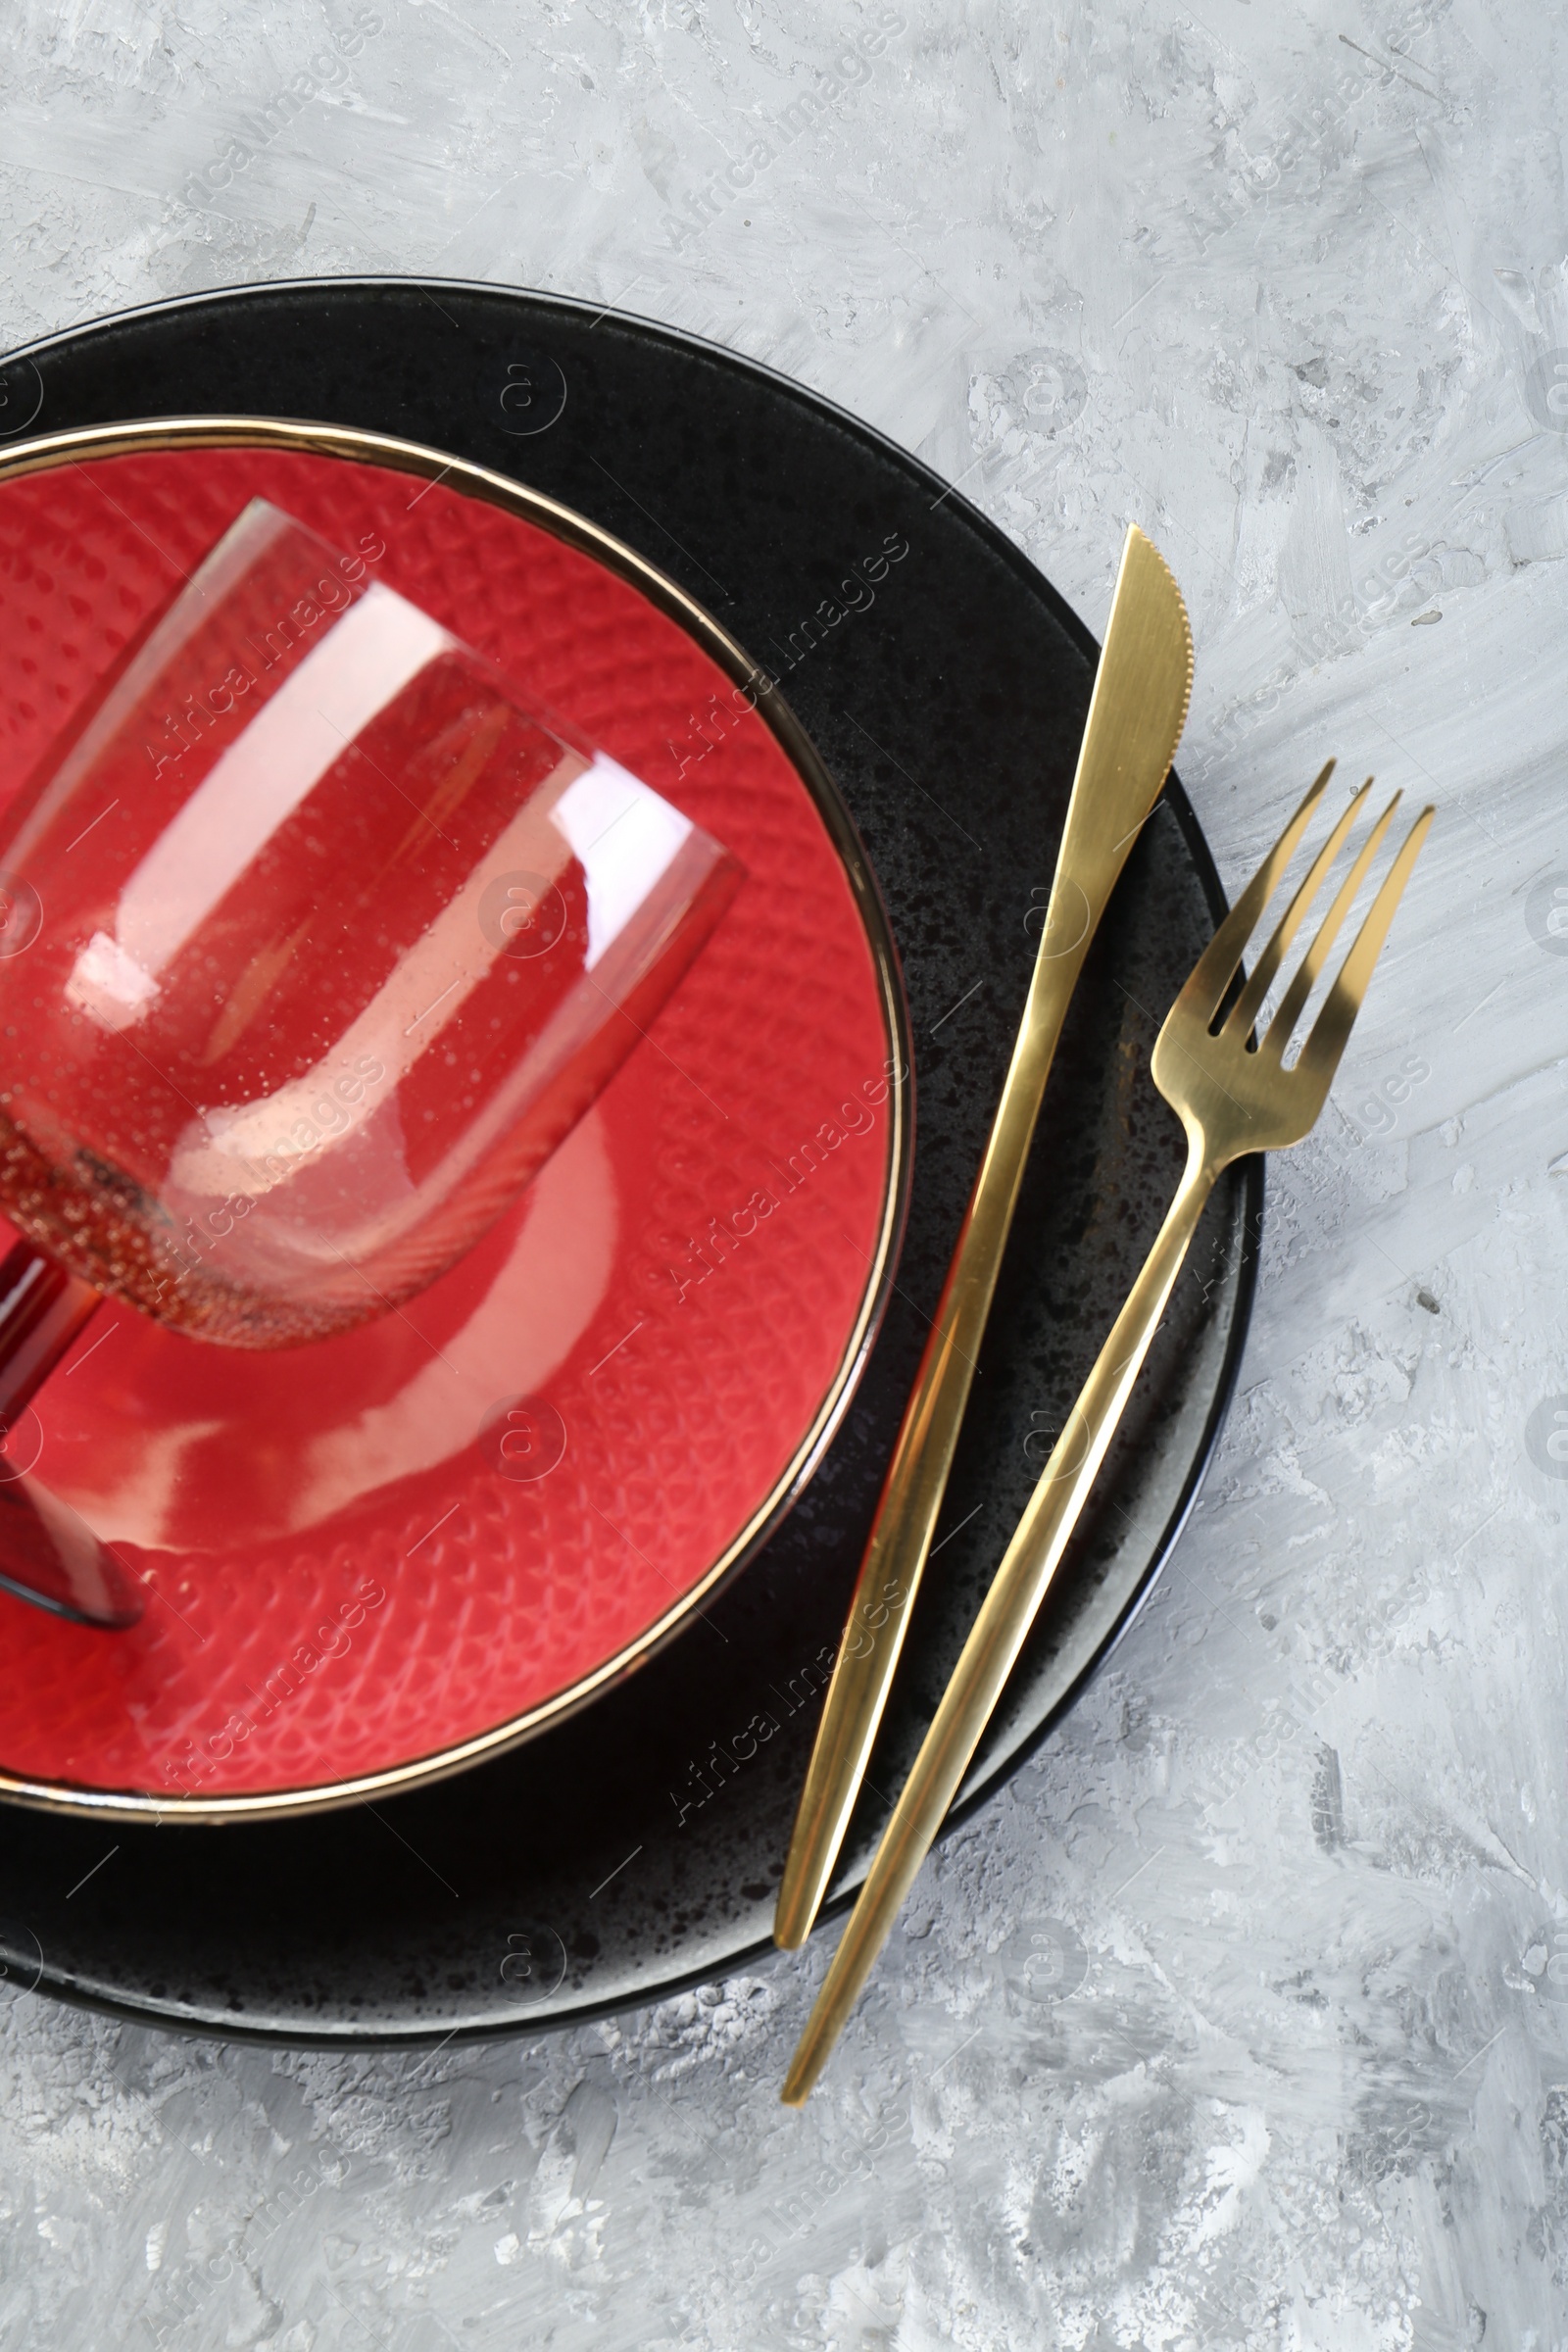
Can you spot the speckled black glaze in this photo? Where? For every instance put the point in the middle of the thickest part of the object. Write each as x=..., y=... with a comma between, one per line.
x=482, y=1905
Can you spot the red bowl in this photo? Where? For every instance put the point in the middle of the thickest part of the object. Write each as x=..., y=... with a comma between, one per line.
x=374, y=1559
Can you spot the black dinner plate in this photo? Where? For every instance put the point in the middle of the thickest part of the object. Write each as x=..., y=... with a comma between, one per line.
x=637, y=1846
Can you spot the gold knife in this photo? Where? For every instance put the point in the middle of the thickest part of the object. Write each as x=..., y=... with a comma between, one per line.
x=1136, y=716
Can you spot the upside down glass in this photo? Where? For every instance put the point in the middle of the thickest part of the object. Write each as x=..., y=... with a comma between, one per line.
x=314, y=943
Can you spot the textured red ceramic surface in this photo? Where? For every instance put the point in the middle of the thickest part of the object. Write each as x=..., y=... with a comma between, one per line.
x=347, y=1570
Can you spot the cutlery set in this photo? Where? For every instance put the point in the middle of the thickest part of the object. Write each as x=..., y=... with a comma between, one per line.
x=1222, y=1069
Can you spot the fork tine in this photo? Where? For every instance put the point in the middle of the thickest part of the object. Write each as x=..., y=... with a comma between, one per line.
x=1329, y=1032
x=1211, y=974
x=1247, y=1004
x=1328, y=931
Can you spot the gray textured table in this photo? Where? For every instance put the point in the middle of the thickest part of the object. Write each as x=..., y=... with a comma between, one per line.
x=1288, y=286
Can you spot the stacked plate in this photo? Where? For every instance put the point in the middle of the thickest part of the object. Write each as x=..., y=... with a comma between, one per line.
x=485, y=1641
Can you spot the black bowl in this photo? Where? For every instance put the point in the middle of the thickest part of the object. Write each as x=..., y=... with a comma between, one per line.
x=637, y=1846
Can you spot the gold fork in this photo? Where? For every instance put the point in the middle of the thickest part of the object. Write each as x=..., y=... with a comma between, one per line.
x=1234, y=1096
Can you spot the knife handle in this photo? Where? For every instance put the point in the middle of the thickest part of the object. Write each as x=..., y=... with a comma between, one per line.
x=917, y=1476
x=1000, y=1630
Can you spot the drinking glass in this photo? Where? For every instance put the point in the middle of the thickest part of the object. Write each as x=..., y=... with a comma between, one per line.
x=315, y=941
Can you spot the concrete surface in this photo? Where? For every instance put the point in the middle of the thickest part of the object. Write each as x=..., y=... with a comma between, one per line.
x=1289, y=285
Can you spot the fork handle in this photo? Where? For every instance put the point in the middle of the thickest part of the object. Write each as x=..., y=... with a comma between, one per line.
x=1002, y=1628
